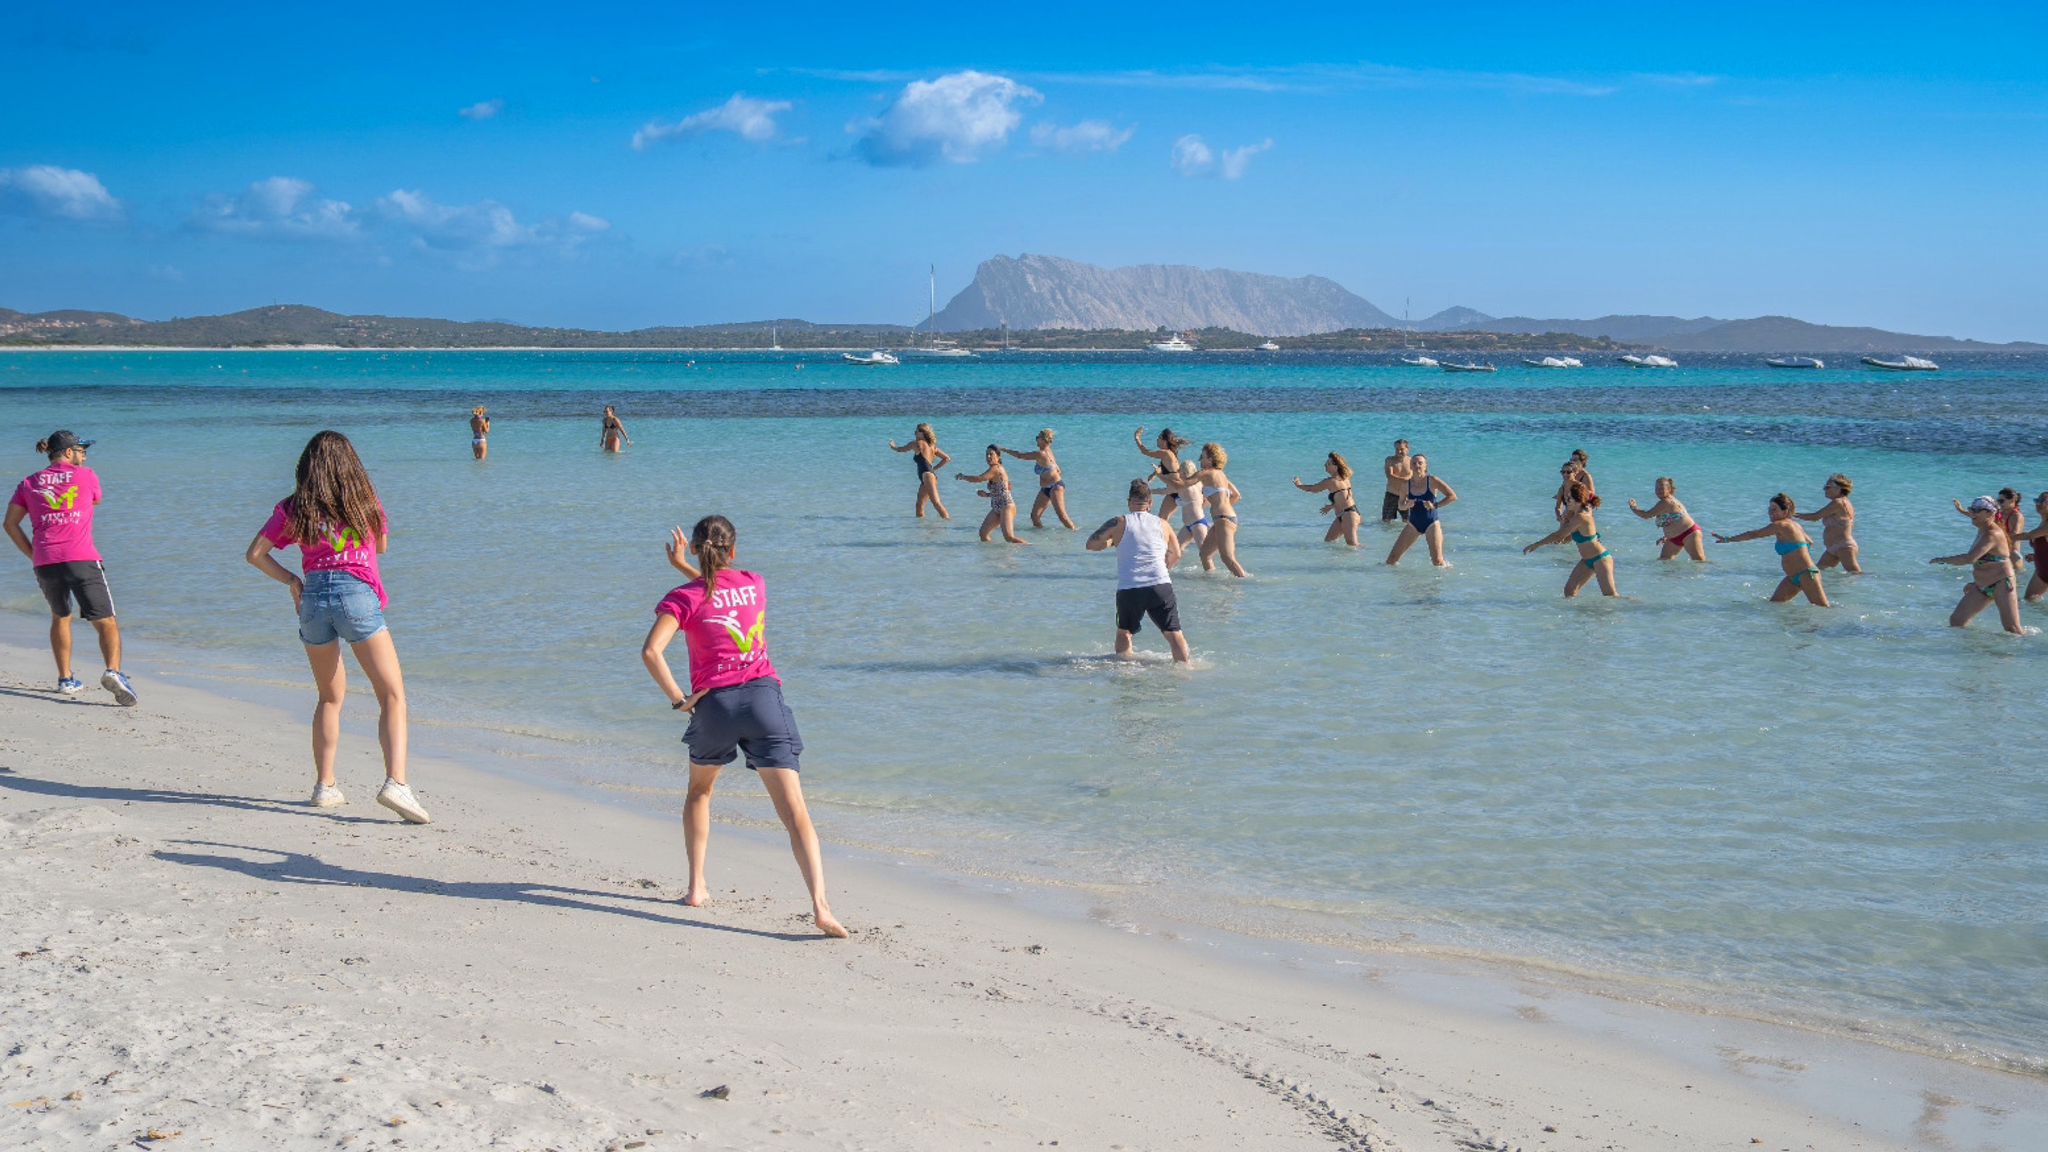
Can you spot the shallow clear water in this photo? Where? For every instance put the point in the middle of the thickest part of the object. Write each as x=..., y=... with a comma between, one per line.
x=1835, y=815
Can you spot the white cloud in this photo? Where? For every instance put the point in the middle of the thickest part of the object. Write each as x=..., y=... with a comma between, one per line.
x=281, y=206
x=958, y=117
x=1236, y=160
x=1192, y=156
x=743, y=116
x=482, y=110
x=1087, y=136
x=56, y=193
x=477, y=235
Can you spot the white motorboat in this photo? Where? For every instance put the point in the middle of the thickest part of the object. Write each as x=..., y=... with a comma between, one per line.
x=1177, y=344
x=1419, y=362
x=1634, y=361
x=876, y=357
x=1796, y=362
x=1555, y=362
x=1903, y=364
x=1467, y=367
x=1269, y=346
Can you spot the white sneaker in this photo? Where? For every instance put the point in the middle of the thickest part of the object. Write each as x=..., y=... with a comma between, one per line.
x=328, y=796
x=122, y=688
x=399, y=799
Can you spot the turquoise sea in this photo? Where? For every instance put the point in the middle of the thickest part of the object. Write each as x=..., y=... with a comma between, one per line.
x=1834, y=817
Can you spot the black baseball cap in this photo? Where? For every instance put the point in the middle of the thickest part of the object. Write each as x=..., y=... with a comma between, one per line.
x=64, y=441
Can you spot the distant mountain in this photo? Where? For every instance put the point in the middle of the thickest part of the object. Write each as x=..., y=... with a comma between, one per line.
x=1031, y=292
x=1760, y=335
x=1451, y=319
x=287, y=325
x=1629, y=329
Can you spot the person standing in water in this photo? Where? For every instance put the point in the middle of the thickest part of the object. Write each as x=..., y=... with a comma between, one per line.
x=924, y=449
x=611, y=435
x=1680, y=533
x=1421, y=496
x=1573, y=472
x=58, y=503
x=1052, y=490
x=1991, y=569
x=1222, y=497
x=735, y=700
x=1578, y=527
x=1795, y=552
x=1838, y=525
x=479, y=433
x=1146, y=550
x=1397, y=482
x=1167, y=452
x=2038, y=586
x=1002, y=505
x=1337, y=482
x=335, y=518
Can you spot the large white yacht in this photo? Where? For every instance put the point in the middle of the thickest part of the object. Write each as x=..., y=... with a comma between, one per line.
x=1176, y=344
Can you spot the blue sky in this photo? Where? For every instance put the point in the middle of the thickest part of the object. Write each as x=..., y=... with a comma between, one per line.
x=619, y=166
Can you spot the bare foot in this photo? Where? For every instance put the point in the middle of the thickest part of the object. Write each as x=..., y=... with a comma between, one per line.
x=697, y=898
x=830, y=926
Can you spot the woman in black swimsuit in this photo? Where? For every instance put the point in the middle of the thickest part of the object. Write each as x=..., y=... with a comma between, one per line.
x=1168, y=455
x=1337, y=483
x=611, y=435
x=1420, y=500
x=924, y=448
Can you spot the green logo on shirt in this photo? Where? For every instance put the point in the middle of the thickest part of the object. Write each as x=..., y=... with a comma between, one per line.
x=746, y=640
x=60, y=501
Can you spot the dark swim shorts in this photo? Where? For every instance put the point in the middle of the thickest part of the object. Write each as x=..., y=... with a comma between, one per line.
x=750, y=718
x=1390, y=508
x=1133, y=605
x=81, y=580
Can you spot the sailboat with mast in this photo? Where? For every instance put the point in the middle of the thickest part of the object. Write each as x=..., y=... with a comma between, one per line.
x=936, y=346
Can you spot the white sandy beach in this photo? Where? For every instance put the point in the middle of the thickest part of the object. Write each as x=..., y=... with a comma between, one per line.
x=192, y=951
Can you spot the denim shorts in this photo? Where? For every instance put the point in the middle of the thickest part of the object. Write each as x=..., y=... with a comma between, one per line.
x=338, y=606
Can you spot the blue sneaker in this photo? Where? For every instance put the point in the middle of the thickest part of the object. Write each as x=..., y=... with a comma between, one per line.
x=70, y=686
x=115, y=682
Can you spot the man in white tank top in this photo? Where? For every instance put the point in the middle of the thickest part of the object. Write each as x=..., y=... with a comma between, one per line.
x=1146, y=547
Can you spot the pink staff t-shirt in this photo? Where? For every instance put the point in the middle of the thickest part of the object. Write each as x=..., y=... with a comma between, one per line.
x=336, y=549
x=59, y=501
x=727, y=629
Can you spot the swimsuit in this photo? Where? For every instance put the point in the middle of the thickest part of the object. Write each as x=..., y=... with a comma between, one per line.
x=1667, y=519
x=1353, y=509
x=1046, y=490
x=1990, y=591
x=924, y=466
x=1788, y=547
x=999, y=495
x=1422, y=508
x=1591, y=561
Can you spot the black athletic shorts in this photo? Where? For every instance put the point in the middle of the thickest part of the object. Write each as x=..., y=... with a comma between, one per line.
x=1390, y=507
x=82, y=580
x=748, y=717
x=1154, y=600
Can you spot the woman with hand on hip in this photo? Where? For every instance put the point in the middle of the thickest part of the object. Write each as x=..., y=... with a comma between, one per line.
x=1002, y=505
x=924, y=450
x=735, y=700
x=1422, y=494
x=334, y=518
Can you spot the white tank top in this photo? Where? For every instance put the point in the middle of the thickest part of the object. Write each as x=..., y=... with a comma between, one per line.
x=1141, y=554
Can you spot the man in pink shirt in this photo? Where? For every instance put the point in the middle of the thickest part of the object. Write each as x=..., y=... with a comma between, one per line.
x=58, y=503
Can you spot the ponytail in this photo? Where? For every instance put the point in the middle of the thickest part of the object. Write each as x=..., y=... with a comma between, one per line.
x=713, y=539
x=43, y=446
x=1785, y=502
x=1582, y=495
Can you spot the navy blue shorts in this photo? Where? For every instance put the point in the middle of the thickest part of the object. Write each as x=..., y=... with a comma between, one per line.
x=750, y=718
